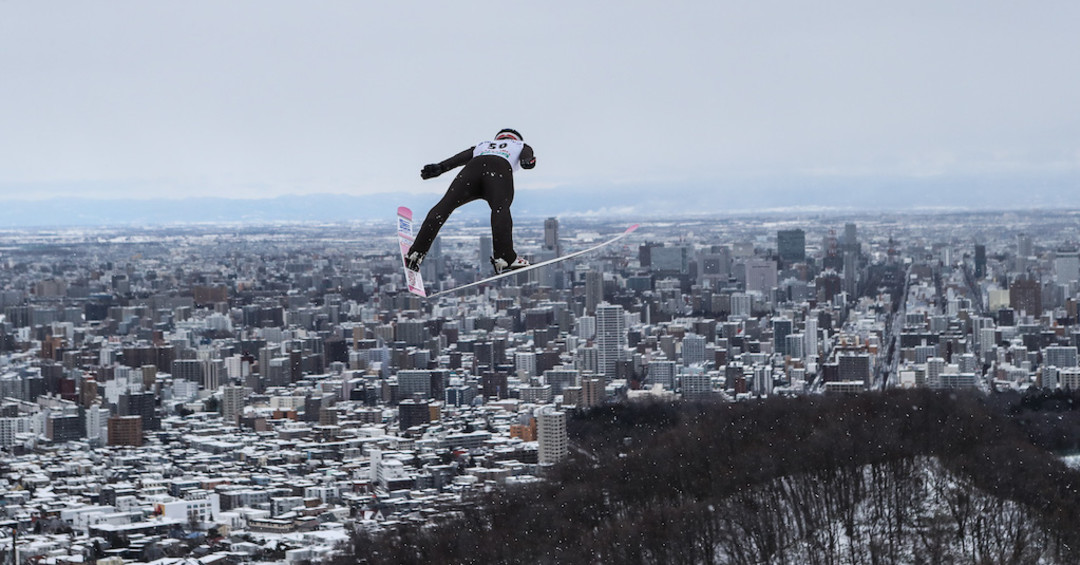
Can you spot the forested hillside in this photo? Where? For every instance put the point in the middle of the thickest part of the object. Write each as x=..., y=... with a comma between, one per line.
x=894, y=477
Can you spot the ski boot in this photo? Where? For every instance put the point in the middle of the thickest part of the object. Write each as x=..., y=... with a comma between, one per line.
x=413, y=260
x=502, y=266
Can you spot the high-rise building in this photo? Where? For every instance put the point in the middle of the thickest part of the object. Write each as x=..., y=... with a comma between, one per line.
x=1060, y=356
x=412, y=332
x=592, y=391
x=551, y=435
x=432, y=267
x=1067, y=266
x=791, y=246
x=1069, y=378
x=188, y=369
x=741, y=305
x=693, y=349
x=413, y=412
x=795, y=345
x=560, y=379
x=1025, y=246
x=670, y=259
x=715, y=267
x=232, y=402
x=587, y=359
x=851, y=275
x=414, y=382
x=935, y=367
x=486, y=252
x=585, y=327
x=1025, y=294
x=761, y=275
x=551, y=236
x=525, y=363
x=811, y=333
x=594, y=290
x=695, y=384
x=125, y=430
x=140, y=404
x=782, y=328
x=851, y=239
x=610, y=337
x=980, y=261
x=854, y=367
x=662, y=372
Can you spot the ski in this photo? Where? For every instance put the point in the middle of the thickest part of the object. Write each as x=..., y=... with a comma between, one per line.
x=405, y=241
x=504, y=274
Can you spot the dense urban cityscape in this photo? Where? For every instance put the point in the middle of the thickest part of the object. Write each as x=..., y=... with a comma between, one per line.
x=254, y=394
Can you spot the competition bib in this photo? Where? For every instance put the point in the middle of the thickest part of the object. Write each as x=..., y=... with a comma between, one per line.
x=508, y=149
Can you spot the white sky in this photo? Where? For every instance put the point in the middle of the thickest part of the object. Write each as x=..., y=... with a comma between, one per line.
x=267, y=97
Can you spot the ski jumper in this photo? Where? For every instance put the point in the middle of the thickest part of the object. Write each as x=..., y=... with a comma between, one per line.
x=489, y=175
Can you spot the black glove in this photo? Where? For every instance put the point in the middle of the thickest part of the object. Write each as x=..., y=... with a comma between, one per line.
x=431, y=171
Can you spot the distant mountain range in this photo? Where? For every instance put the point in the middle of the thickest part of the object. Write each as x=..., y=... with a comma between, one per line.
x=631, y=200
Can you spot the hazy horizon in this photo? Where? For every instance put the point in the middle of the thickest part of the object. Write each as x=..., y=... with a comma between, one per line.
x=714, y=104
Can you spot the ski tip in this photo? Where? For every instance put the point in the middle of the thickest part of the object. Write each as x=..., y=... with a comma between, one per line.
x=404, y=212
x=631, y=228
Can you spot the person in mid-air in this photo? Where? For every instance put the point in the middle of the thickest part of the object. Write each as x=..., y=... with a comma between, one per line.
x=488, y=175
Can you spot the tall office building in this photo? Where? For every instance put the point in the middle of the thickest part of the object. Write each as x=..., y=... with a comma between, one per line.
x=484, y=256
x=432, y=267
x=795, y=346
x=715, y=267
x=761, y=275
x=551, y=236
x=695, y=384
x=791, y=246
x=811, y=335
x=782, y=328
x=610, y=337
x=525, y=364
x=670, y=260
x=411, y=332
x=140, y=404
x=1067, y=266
x=851, y=239
x=560, y=379
x=214, y=373
x=413, y=412
x=594, y=290
x=741, y=305
x=662, y=372
x=980, y=261
x=414, y=382
x=1025, y=293
x=693, y=349
x=1059, y=356
x=1069, y=378
x=125, y=430
x=585, y=327
x=592, y=391
x=854, y=367
x=189, y=369
x=1025, y=246
x=587, y=359
x=851, y=275
x=551, y=435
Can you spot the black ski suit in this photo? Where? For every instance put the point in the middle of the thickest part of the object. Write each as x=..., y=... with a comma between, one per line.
x=487, y=177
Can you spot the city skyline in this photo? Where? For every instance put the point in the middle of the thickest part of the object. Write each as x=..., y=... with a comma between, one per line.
x=213, y=390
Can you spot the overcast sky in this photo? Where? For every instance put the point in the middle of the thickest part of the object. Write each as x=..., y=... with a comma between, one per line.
x=265, y=98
